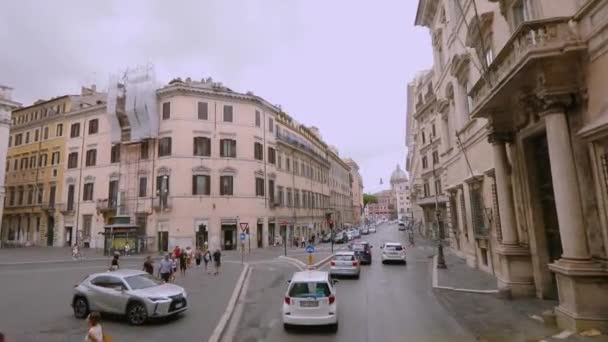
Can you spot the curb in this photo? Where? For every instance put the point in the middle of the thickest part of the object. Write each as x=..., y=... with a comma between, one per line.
x=68, y=261
x=438, y=287
x=295, y=262
x=223, y=323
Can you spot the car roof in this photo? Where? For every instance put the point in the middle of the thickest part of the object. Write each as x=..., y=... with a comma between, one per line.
x=119, y=273
x=393, y=244
x=309, y=275
x=344, y=253
x=360, y=243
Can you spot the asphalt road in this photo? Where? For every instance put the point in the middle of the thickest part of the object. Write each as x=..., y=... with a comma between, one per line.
x=388, y=303
x=34, y=304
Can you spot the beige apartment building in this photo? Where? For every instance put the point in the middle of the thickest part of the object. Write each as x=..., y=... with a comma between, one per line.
x=7, y=105
x=356, y=190
x=34, y=174
x=527, y=76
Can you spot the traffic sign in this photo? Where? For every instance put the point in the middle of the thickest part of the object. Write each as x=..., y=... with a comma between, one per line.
x=243, y=236
x=310, y=249
x=244, y=226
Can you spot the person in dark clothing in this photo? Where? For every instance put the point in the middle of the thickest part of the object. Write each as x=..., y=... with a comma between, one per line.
x=183, y=263
x=217, y=255
x=148, y=265
x=114, y=265
x=198, y=256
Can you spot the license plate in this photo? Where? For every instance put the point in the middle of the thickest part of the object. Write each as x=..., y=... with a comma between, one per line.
x=179, y=305
x=309, y=303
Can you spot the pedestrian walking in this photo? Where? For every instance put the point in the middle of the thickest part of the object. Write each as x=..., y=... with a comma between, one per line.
x=127, y=248
x=183, y=263
x=303, y=242
x=114, y=264
x=189, y=256
x=94, y=331
x=217, y=256
x=198, y=255
x=76, y=252
x=173, y=267
x=148, y=265
x=177, y=251
x=165, y=270
x=206, y=259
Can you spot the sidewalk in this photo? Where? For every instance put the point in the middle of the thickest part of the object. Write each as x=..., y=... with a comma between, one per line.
x=469, y=295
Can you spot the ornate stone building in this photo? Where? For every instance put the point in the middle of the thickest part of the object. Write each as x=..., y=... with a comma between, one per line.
x=400, y=189
x=530, y=76
x=7, y=105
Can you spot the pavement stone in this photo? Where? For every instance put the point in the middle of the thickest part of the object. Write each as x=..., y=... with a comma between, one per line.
x=459, y=275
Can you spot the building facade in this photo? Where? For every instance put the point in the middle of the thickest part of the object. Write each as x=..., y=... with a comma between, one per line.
x=36, y=162
x=221, y=163
x=7, y=105
x=527, y=76
x=400, y=187
x=357, y=191
x=384, y=208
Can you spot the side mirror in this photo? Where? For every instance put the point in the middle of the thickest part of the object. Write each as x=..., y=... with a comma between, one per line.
x=334, y=281
x=381, y=247
x=289, y=281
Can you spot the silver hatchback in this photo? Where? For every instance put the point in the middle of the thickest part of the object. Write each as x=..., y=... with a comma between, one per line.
x=345, y=264
x=133, y=293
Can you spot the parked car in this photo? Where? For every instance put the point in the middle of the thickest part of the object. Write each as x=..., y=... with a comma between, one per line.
x=350, y=235
x=372, y=229
x=344, y=264
x=364, y=231
x=310, y=300
x=363, y=251
x=401, y=226
x=133, y=293
x=393, y=252
x=326, y=238
x=341, y=237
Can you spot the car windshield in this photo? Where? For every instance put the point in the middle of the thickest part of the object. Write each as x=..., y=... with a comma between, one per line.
x=142, y=281
x=393, y=248
x=309, y=289
x=343, y=257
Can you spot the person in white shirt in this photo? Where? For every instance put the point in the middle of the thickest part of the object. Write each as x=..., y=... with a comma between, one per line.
x=95, y=333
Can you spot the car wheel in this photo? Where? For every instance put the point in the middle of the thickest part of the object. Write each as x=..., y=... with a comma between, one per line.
x=383, y=262
x=286, y=327
x=334, y=327
x=136, y=313
x=357, y=276
x=81, y=307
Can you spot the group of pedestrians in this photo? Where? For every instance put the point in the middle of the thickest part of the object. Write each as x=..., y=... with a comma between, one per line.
x=169, y=264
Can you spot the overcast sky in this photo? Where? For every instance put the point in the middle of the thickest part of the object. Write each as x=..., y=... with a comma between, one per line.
x=340, y=65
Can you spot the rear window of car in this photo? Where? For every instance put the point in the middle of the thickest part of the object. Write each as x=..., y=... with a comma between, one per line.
x=394, y=248
x=343, y=257
x=309, y=289
x=359, y=248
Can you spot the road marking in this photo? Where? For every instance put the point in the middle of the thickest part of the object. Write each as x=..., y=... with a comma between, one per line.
x=221, y=326
x=238, y=311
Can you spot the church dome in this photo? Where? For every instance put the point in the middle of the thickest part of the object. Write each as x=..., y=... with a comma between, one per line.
x=398, y=175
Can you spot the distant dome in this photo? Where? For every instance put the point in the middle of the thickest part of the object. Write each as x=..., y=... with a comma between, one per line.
x=398, y=175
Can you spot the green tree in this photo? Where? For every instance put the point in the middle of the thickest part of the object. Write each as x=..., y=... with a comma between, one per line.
x=367, y=198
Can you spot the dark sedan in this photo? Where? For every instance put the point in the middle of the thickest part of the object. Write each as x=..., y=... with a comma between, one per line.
x=363, y=251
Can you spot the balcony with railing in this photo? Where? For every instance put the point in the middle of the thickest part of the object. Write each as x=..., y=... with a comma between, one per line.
x=532, y=41
x=297, y=143
x=163, y=203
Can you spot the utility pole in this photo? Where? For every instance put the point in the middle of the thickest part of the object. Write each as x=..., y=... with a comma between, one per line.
x=440, y=257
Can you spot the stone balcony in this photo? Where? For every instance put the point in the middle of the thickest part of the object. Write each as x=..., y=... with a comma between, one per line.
x=536, y=55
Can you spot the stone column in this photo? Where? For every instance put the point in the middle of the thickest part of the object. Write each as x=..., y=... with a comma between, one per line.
x=565, y=186
x=502, y=170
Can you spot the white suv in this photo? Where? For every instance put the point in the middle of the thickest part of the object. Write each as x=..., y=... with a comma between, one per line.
x=310, y=300
x=393, y=251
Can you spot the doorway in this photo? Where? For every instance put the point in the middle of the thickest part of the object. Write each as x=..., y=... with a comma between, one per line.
x=228, y=237
x=50, y=231
x=202, y=236
x=68, y=236
x=163, y=241
x=260, y=235
x=271, y=235
x=546, y=209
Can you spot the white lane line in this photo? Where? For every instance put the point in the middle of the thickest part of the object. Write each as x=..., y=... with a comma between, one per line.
x=221, y=326
x=238, y=312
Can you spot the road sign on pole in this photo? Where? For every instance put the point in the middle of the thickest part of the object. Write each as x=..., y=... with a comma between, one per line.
x=310, y=249
x=243, y=236
x=244, y=226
